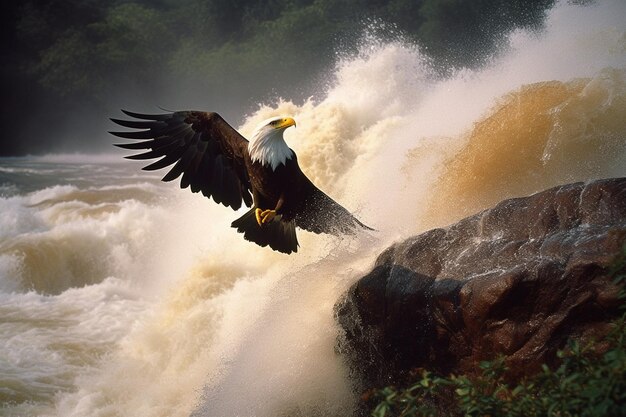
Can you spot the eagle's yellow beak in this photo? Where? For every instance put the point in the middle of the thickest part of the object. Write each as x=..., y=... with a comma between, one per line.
x=285, y=123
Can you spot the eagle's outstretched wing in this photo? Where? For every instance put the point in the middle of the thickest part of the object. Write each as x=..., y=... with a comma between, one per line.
x=318, y=213
x=207, y=152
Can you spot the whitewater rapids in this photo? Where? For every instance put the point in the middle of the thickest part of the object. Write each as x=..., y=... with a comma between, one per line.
x=124, y=296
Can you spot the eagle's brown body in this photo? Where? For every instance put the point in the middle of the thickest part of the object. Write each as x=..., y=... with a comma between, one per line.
x=213, y=158
x=269, y=186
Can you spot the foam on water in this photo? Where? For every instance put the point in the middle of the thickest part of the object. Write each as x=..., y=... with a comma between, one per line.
x=149, y=304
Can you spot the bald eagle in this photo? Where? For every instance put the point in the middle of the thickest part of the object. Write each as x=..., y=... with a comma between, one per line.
x=263, y=173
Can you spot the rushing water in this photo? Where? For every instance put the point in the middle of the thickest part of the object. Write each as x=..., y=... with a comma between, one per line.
x=124, y=296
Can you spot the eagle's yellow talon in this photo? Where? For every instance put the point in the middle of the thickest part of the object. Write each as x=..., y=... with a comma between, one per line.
x=258, y=213
x=267, y=216
x=264, y=216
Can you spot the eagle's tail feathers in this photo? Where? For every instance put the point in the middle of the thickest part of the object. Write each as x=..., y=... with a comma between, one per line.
x=279, y=234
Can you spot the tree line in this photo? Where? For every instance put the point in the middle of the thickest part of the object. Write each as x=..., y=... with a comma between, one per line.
x=71, y=59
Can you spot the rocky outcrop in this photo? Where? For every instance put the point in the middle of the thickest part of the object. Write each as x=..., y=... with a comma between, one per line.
x=516, y=280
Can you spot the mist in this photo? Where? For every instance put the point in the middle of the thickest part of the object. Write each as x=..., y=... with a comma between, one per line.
x=70, y=65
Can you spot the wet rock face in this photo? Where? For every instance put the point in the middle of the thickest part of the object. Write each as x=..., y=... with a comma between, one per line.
x=518, y=279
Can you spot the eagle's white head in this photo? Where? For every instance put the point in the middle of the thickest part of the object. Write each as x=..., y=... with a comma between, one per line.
x=267, y=144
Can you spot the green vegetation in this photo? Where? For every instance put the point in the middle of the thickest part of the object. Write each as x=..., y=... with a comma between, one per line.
x=78, y=59
x=78, y=46
x=590, y=381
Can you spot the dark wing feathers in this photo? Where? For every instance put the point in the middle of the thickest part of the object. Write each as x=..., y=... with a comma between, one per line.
x=134, y=124
x=205, y=150
x=318, y=213
x=164, y=116
x=142, y=134
x=136, y=145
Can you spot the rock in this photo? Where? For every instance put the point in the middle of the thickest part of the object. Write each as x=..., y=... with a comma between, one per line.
x=518, y=280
